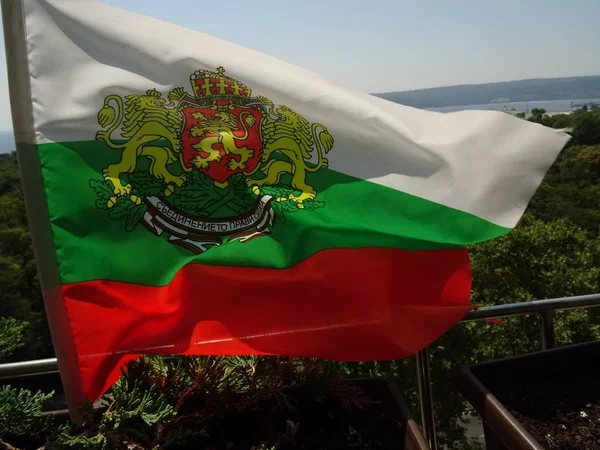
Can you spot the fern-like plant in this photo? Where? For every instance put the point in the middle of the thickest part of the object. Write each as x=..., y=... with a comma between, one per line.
x=20, y=409
x=21, y=412
x=168, y=402
x=11, y=335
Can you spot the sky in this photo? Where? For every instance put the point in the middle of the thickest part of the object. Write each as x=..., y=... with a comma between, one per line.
x=396, y=45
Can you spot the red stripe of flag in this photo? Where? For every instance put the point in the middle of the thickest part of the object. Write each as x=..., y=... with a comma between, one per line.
x=342, y=304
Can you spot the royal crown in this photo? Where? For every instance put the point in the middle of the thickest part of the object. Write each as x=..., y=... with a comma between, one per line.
x=215, y=84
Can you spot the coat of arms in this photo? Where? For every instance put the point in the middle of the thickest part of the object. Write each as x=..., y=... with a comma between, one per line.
x=207, y=168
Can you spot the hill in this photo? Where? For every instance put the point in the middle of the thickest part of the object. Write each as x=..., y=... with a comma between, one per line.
x=537, y=89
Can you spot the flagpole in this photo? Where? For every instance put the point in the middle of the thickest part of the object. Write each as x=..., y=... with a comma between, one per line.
x=16, y=46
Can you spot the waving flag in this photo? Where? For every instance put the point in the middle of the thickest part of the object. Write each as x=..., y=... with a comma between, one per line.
x=191, y=196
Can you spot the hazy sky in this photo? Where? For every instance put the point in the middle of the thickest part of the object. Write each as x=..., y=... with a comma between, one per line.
x=392, y=45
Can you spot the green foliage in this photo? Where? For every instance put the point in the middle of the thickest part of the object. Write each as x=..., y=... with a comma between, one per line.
x=119, y=208
x=145, y=185
x=134, y=415
x=136, y=404
x=537, y=115
x=166, y=403
x=96, y=442
x=571, y=189
x=20, y=409
x=11, y=336
x=242, y=198
x=200, y=196
x=537, y=260
x=20, y=412
x=19, y=283
x=104, y=192
x=585, y=124
x=282, y=203
x=586, y=127
x=128, y=211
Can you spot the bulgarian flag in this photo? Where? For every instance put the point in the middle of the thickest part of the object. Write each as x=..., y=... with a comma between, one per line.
x=187, y=195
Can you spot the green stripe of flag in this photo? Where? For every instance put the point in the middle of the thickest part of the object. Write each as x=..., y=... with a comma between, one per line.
x=356, y=214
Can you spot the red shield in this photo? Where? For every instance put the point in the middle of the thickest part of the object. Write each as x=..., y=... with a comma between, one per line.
x=221, y=142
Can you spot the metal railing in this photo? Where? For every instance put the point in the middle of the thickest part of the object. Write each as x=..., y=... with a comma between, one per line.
x=26, y=368
x=544, y=308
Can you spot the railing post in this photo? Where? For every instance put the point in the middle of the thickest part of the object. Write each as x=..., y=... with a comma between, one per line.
x=426, y=397
x=547, y=328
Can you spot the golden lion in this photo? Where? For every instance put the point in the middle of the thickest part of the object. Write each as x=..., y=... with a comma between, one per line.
x=147, y=120
x=224, y=124
x=290, y=134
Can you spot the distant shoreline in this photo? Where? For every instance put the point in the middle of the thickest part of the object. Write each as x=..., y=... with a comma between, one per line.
x=551, y=106
x=583, y=88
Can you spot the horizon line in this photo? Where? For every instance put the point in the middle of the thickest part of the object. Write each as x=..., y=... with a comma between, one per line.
x=487, y=83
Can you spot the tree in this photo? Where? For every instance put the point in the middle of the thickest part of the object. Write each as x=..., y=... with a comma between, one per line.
x=586, y=127
x=19, y=283
x=537, y=115
x=585, y=124
x=538, y=260
x=11, y=336
x=559, y=121
x=571, y=189
x=20, y=409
